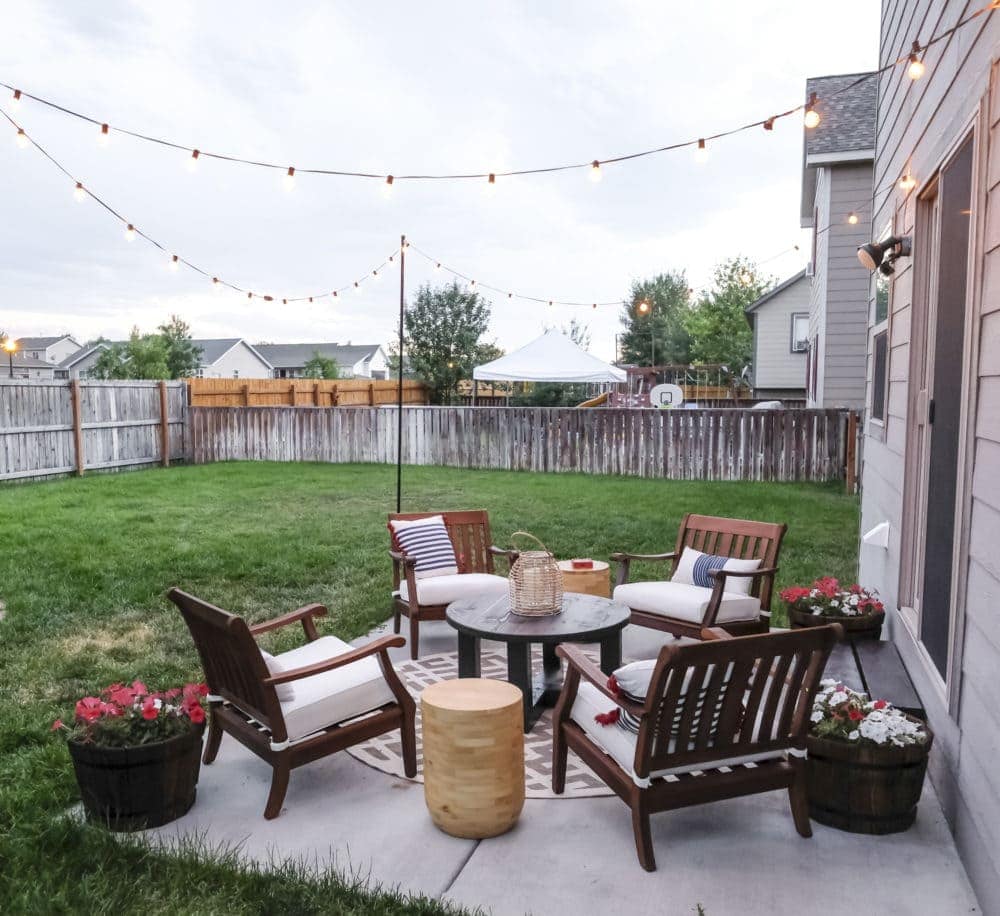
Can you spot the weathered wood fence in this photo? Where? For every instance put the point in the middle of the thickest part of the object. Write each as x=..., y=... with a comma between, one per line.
x=715, y=444
x=301, y=392
x=61, y=427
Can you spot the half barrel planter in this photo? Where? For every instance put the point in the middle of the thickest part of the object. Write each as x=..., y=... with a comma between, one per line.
x=133, y=788
x=868, y=626
x=865, y=788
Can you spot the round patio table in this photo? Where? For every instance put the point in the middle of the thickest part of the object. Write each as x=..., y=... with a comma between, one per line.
x=583, y=619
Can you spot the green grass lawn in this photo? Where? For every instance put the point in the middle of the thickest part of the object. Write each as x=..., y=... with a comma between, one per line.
x=85, y=563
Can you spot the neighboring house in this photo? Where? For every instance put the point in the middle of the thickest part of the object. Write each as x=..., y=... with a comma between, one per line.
x=231, y=358
x=838, y=156
x=80, y=363
x=780, y=322
x=353, y=360
x=25, y=367
x=48, y=349
x=932, y=426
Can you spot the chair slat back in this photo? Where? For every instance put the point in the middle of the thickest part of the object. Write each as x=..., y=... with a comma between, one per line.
x=731, y=697
x=738, y=538
x=234, y=668
x=469, y=530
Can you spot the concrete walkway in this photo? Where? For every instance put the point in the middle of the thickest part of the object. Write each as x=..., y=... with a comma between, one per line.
x=577, y=856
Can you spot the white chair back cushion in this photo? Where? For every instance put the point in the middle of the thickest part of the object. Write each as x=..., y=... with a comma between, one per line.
x=426, y=540
x=274, y=667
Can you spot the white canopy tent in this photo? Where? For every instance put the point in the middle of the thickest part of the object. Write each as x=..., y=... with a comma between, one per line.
x=553, y=357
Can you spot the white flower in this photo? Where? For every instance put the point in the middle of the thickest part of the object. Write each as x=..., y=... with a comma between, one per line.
x=853, y=600
x=834, y=602
x=838, y=697
x=827, y=682
x=854, y=735
x=817, y=716
x=816, y=609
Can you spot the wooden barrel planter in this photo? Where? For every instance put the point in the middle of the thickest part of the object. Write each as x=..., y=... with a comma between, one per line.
x=865, y=788
x=132, y=788
x=868, y=626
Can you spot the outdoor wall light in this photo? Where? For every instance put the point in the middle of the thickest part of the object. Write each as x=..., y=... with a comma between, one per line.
x=880, y=255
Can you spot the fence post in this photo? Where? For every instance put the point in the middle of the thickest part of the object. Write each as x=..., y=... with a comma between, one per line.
x=851, y=451
x=334, y=397
x=246, y=395
x=164, y=426
x=371, y=394
x=316, y=395
x=74, y=398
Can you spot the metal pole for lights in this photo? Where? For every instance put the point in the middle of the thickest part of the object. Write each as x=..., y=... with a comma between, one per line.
x=399, y=390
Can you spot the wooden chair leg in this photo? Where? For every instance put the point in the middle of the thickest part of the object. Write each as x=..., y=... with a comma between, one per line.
x=414, y=637
x=279, y=785
x=407, y=732
x=213, y=741
x=395, y=617
x=560, y=752
x=643, y=836
x=798, y=800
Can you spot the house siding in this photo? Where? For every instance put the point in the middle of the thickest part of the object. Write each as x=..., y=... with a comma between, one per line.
x=919, y=124
x=775, y=366
x=240, y=359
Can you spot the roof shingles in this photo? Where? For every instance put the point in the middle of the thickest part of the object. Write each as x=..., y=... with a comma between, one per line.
x=846, y=106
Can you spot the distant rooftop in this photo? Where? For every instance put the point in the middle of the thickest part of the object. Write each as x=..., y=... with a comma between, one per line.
x=39, y=343
x=292, y=356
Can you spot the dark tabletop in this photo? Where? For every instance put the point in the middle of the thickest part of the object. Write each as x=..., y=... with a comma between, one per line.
x=582, y=616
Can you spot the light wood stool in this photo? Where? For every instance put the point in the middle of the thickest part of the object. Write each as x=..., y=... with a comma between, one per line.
x=473, y=756
x=594, y=581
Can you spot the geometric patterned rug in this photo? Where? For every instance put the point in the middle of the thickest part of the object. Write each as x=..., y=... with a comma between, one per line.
x=384, y=752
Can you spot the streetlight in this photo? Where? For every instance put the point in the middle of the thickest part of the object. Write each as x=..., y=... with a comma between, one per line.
x=10, y=345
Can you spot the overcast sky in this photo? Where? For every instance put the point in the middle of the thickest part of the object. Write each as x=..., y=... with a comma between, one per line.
x=394, y=87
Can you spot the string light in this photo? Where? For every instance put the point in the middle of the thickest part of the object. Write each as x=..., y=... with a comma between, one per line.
x=437, y=266
x=642, y=307
x=907, y=182
x=701, y=151
x=769, y=123
x=357, y=287
x=21, y=138
x=852, y=218
x=811, y=119
x=16, y=103
x=192, y=162
x=130, y=233
x=216, y=285
x=375, y=275
x=289, y=179
x=79, y=193
x=174, y=263
x=595, y=171
x=104, y=137
x=387, y=187
x=916, y=68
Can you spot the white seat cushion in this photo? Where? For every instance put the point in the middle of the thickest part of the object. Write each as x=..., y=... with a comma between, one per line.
x=619, y=744
x=445, y=589
x=685, y=602
x=333, y=696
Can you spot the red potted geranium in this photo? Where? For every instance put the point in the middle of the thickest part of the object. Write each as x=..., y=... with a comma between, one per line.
x=855, y=608
x=137, y=753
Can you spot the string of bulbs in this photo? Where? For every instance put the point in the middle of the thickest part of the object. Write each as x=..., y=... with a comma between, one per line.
x=914, y=60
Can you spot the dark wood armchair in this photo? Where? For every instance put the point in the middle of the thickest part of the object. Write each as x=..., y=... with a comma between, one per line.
x=722, y=703
x=342, y=695
x=427, y=599
x=686, y=612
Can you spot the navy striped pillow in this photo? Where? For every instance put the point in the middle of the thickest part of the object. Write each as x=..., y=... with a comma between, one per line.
x=704, y=564
x=426, y=541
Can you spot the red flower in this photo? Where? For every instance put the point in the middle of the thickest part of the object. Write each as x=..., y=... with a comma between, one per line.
x=173, y=693
x=879, y=704
x=139, y=688
x=90, y=709
x=149, y=710
x=195, y=690
x=120, y=694
x=57, y=725
x=855, y=715
x=196, y=714
x=794, y=594
x=828, y=586
x=613, y=685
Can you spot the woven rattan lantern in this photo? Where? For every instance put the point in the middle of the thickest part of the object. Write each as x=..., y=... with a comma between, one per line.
x=536, y=587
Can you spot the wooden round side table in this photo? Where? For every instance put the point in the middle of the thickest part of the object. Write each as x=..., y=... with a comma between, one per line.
x=595, y=580
x=473, y=756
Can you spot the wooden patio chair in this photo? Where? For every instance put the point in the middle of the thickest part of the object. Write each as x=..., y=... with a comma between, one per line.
x=684, y=608
x=428, y=598
x=742, y=732
x=340, y=696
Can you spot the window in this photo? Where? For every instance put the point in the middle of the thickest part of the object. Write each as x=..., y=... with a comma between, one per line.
x=880, y=371
x=236, y=373
x=800, y=332
x=200, y=373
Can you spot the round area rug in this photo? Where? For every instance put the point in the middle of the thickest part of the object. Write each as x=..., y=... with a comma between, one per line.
x=384, y=752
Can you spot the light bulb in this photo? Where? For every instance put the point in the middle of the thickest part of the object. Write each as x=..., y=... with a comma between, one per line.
x=335, y=294
x=701, y=152
x=387, y=187
x=595, y=171
x=811, y=118
x=216, y=285
x=472, y=285
x=594, y=306
x=174, y=263
x=192, y=162
x=643, y=307
x=104, y=137
x=130, y=233
x=375, y=275
x=852, y=218
x=437, y=266
x=491, y=185
x=357, y=287
x=16, y=103
x=907, y=182
x=289, y=179
x=916, y=68
x=79, y=193
x=21, y=139
x=510, y=295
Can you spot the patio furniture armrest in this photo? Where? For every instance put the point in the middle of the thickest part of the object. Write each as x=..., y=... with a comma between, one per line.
x=719, y=576
x=376, y=646
x=624, y=561
x=400, y=557
x=511, y=555
x=722, y=574
x=708, y=634
x=304, y=614
x=591, y=672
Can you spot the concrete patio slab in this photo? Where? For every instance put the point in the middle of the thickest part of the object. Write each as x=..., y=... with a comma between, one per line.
x=576, y=856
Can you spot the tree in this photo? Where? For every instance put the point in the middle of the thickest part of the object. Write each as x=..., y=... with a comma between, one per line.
x=319, y=366
x=144, y=356
x=183, y=355
x=559, y=394
x=443, y=328
x=658, y=335
x=718, y=324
